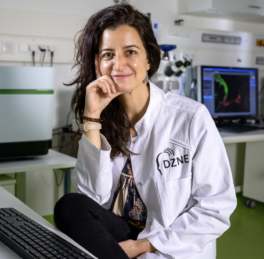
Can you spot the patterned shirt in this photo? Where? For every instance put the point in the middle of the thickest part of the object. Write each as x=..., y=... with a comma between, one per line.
x=126, y=201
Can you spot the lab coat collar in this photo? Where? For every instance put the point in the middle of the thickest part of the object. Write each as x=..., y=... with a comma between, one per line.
x=147, y=121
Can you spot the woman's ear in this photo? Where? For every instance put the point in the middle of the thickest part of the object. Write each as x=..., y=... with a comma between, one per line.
x=148, y=65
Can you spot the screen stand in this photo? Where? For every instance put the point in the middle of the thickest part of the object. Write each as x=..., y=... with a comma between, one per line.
x=219, y=122
x=243, y=121
x=236, y=127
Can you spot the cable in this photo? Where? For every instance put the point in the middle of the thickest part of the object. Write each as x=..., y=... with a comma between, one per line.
x=42, y=62
x=57, y=129
x=43, y=50
x=51, y=58
x=188, y=63
x=63, y=146
x=33, y=58
x=184, y=85
x=40, y=57
x=56, y=178
x=261, y=89
x=54, y=132
x=68, y=116
x=63, y=138
x=261, y=100
x=193, y=84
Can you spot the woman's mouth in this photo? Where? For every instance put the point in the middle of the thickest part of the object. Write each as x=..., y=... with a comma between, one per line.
x=121, y=76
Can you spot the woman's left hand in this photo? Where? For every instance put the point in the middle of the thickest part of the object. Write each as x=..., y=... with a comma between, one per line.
x=130, y=248
x=134, y=248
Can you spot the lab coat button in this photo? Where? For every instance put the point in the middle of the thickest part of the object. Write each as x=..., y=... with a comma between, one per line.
x=150, y=223
x=134, y=141
x=140, y=183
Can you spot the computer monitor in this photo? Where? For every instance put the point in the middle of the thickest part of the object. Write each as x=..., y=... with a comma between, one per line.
x=230, y=92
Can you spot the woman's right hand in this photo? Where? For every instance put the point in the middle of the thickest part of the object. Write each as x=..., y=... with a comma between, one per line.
x=99, y=93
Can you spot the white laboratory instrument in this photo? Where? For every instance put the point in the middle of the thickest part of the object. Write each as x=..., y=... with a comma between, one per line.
x=26, y=111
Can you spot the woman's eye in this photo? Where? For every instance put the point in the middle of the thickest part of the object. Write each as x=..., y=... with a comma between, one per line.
x=107, y=55
x=131, y=52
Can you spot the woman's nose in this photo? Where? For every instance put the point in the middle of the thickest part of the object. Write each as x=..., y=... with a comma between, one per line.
x=119, y=62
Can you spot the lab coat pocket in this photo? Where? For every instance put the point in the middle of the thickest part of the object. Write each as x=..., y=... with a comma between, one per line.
x=174, y=197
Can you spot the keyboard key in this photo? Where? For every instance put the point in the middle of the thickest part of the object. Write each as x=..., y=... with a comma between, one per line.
x=35, y=239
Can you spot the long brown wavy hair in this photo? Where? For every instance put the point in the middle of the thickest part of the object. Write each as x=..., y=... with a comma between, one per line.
x=115, y=125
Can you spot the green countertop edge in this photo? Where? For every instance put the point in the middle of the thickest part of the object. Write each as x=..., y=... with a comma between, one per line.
x=26, y=92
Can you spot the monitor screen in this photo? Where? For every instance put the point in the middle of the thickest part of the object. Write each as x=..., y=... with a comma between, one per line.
x=230, y=92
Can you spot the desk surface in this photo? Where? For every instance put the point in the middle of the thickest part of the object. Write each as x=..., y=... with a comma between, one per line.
x=251, y=136
x=53, y=160
x=7, y=200
x=57, y=160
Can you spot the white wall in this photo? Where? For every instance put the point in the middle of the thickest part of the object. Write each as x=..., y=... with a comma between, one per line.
x=55, y=22
x=47, y=23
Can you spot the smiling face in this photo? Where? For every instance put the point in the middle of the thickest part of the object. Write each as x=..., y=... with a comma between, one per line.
x=123, y=57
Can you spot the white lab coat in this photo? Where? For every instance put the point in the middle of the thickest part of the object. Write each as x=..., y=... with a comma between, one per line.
x=182, y=175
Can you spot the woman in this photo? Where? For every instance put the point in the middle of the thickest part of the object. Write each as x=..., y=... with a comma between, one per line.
x=156, y=182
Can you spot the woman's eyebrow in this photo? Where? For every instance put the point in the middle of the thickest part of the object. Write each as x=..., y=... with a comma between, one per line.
x=131, y=46
x=126, y=47
x=105, y=50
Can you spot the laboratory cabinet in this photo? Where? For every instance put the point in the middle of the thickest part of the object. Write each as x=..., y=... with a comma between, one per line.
x=225, y=8
x=8, y=183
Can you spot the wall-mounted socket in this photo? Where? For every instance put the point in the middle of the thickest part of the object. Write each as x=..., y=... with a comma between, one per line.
x=52, y=48
x=33, y=47
x=23, y=48
x=43, y=47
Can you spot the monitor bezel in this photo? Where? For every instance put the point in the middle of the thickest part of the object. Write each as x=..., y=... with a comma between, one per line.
x=234, y=116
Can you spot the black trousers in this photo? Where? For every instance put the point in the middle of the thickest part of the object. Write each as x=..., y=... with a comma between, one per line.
x=96, y=229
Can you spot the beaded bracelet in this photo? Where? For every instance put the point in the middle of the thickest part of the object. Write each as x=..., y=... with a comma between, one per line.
x=90, y=119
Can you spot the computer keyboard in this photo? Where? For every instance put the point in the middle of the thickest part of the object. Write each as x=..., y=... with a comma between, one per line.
x=237, y=128
x=31, y=240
